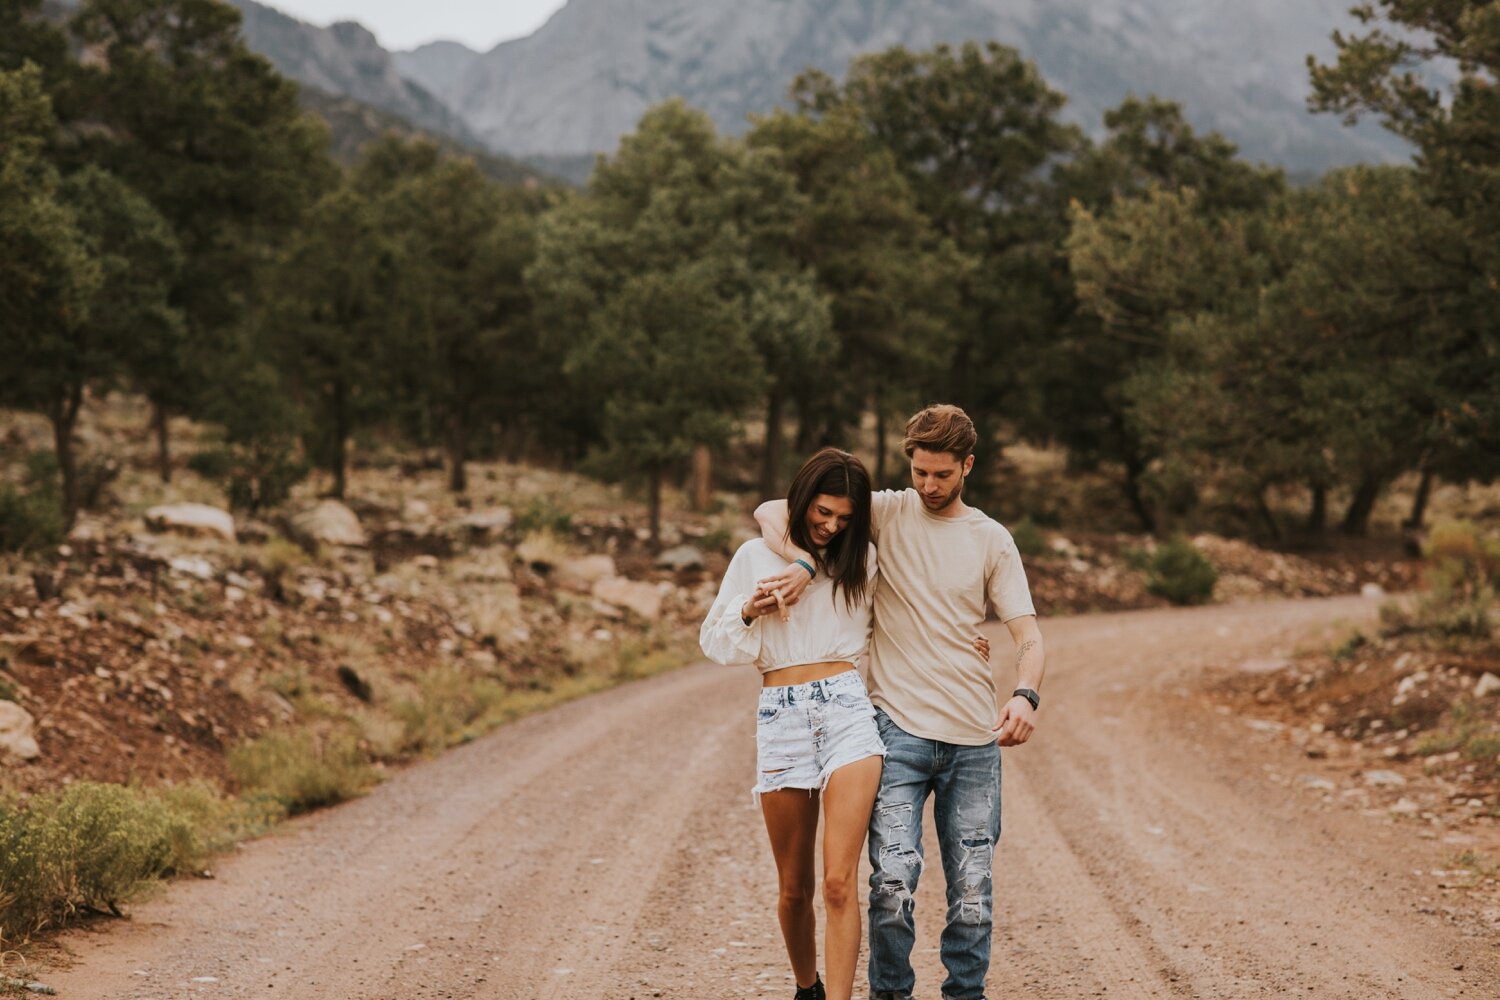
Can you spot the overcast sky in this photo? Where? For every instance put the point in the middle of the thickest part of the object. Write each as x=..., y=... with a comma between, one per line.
x=405, y=24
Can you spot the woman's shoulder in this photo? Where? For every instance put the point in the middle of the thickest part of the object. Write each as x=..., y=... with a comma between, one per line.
x=754, y=552
x=752, y=547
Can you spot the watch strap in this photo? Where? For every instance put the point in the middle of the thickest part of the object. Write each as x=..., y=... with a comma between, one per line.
x=1030, y=695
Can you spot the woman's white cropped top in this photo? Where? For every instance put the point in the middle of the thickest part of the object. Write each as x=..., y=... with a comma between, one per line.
x=822, y=626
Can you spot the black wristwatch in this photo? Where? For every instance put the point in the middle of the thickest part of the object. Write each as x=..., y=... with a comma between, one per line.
x=1029, y=695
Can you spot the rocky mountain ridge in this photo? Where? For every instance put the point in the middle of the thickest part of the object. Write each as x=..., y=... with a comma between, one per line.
x=345, y=59
x=583, y=79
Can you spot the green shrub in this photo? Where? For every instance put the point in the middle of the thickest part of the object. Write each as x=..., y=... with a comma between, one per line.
x=31, y=516
x=253, y=477
x=94, y=847
x=451, y=705
x=1180, y=573
x=1356, y=641
x=718, y=539
x=1482, y=746
x=278, y=562
x=299, y=771
x=1028, y=539
x=1463, y=572
x=1466, y=731
x=540, y=515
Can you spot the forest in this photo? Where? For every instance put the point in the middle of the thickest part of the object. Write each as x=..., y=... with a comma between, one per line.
x=1224, y=344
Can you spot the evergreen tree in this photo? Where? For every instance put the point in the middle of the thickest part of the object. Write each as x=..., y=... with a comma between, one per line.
x=650, y=281
x=335, y=300
x=1381, y=70
x=1149, y=147
x=976, y=132
x=49, y=278
x=890, y=280
x=213, y=138
x=465, y=315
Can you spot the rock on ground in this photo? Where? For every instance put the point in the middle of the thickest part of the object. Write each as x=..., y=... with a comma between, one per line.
x=191, y=519
x=644, y=599
x=329, y=523
x=16, y=732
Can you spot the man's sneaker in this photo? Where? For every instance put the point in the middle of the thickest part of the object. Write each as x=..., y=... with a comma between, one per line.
x=813, y=992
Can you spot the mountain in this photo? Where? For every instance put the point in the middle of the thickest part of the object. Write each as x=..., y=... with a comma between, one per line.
x=346, y=60
x=352, y=125
x=438, y=66
x=576, y=85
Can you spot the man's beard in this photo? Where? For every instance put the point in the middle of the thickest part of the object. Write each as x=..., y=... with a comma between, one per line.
x=943, y=503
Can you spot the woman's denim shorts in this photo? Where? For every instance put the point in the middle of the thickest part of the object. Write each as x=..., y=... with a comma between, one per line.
x=805, y=732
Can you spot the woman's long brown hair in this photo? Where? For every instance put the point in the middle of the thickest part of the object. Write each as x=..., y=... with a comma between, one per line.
x=834, y=473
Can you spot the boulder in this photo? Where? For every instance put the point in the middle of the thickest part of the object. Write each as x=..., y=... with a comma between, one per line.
x=16, y=732
x=642, y=599
x=329, y=523
x=1487, y=685
x=194, y=566
x=680, y=558
x=486, y=525
x=191, y=519
x=581, y=572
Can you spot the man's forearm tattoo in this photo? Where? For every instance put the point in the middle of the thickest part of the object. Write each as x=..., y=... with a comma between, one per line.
x=1024, y=648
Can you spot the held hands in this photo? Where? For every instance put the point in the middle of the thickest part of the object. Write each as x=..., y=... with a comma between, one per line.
x=785, y=587
x=1015, y=724
x=760, y=603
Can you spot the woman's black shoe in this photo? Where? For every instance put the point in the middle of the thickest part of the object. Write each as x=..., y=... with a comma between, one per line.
x=813, y=992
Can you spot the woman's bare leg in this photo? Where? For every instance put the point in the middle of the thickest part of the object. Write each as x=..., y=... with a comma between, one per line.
x=847, y=802
x=792, y=821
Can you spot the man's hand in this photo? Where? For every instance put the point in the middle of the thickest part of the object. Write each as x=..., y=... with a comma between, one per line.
x=1015, y=724
x=787, y=586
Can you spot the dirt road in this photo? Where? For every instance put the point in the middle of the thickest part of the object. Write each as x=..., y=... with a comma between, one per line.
x=609, y=849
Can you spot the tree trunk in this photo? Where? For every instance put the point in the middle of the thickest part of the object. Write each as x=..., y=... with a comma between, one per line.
x=64, y=417
x=1317, y=518
x=879, y=441
x=340, y=435
x=770, y=458
x=1134, y=468
x=807, y=431
x=458, y=480
x=1357, y=516
x=1266, y=515
x=703, y=478
x=1419, y=502
x=654, y=502
x=163, y=445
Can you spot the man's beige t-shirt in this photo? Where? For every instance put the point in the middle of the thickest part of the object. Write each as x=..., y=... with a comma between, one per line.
x=937, y=577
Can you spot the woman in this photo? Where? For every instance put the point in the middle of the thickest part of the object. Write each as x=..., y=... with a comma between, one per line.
x=815, y=733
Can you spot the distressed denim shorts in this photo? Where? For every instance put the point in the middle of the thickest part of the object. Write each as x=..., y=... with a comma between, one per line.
x=805, y=732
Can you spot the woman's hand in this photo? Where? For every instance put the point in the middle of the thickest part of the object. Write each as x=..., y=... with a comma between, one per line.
x=787, y=586
x=760, y=603
x=982, y=647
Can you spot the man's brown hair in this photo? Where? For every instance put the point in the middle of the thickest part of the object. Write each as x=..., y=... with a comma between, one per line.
x=941, y=427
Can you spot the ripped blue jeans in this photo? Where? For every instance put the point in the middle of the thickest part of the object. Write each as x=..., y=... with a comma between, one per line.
x=964, y=782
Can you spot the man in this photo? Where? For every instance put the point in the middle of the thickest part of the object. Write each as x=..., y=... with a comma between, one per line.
x=942, y=563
